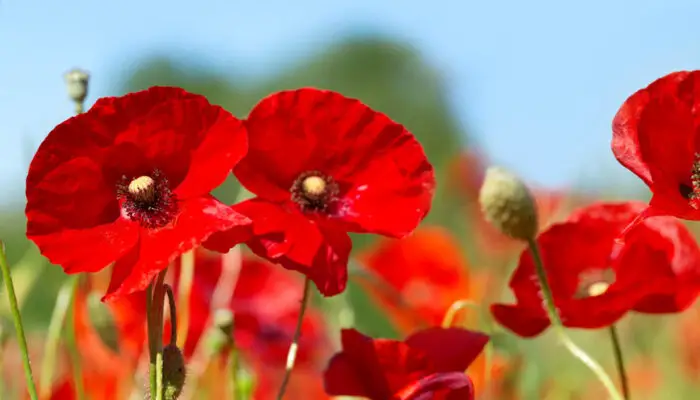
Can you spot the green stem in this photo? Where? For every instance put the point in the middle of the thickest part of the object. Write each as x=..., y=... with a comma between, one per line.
x=73, y=351
x=292, y=354
x=173, y=315
x=558, y=326
x=233, y=370
x=63, y=302
x=156, y=296
x=619, y=361
x=17, y=319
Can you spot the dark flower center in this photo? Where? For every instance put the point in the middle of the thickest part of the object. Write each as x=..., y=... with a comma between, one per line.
x=314, y=191
x=692, y=192
x=147, y=200
x=594, y=283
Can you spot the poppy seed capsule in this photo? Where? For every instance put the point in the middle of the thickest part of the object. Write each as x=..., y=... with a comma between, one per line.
x=143, y=189
x=174, y=372
x=508, y=204
x=77, y=84
x=314, y=185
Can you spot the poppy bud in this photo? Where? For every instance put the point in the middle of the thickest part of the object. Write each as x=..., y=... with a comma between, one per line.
x=174, y=372
x=508, y=204
x=77, y=84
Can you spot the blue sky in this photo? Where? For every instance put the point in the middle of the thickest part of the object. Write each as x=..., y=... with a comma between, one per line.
x=535, y=82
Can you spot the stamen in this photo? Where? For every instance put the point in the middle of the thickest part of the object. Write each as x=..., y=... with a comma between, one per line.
x=147, y=200
x=314, y=191
x=692, y=193
x=594, y=283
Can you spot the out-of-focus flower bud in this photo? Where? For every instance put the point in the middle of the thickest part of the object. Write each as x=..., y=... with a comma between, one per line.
x=77, y=84
x=508, y=204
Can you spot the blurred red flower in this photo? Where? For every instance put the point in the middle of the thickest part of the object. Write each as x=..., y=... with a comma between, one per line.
x=429, y=364
x=416, y=279
x=657, y=271
x=322, y=165
x=265, y=303
x=109, y=354
x=655, y=136
x=129, y=181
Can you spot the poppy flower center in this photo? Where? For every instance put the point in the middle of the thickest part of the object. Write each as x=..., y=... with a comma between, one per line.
x=594, y=283
x=692, y=192
x=148, y=200
x=314, y=191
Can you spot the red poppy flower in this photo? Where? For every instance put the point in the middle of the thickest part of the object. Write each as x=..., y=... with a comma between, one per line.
x=322, y=165
x=655, y=136
x=657, y=270
x=429, y=364
x=129, y=181
x=419, y=277
x=265, y=302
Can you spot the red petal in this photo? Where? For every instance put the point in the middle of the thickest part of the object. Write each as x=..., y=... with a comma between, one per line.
x=522, y=320
x=340, y=379
x=426, y=387
x=626, y=137
x=89, y=250
x=386, y=181
x=197, y=220
x=451, y=349
x=287, y=237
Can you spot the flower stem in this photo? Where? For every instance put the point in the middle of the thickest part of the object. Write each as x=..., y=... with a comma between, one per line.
x=156, y=296
x=619, y=361
x=64, y=299
x=184, y=290
x=173, y=314
x=73, y=351
x=292, y=354
x=600, y=373
x=17, y=319
x=233, y=371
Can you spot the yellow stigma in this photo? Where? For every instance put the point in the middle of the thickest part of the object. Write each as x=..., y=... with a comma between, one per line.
x=314, y=185
x=598, y=288
x=141, y=185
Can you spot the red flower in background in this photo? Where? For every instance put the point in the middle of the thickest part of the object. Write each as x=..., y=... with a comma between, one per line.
x=657, y=271
x=109, y=347
x=655, y=136
x=416, y=280
x=429, y=364
x=129, y=181
x=322, y=165
x=419, y=277
x=265, y=303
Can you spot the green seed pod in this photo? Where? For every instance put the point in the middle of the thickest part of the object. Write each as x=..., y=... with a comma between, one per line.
x=174, y=372
x=508, y=204
x=77, y=84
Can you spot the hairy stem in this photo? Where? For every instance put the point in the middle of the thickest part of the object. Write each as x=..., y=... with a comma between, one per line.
x=292, y=354
x=17, y=319
x=579, y=353
x=619, y=361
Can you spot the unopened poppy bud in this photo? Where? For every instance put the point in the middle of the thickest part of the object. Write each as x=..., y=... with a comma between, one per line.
x=174, y=372
x=77, y=84
x=508, y=204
